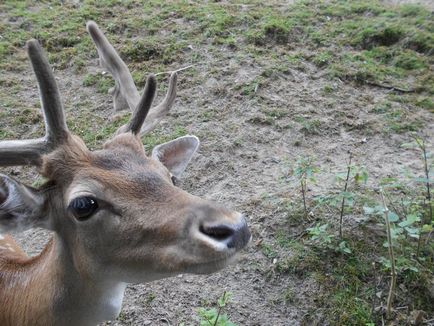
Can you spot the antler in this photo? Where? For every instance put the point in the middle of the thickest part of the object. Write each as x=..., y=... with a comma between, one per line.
x=22, y=152
x=126, y=94
x=29, y=151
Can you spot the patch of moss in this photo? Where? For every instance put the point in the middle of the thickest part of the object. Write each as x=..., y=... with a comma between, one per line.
x=426, y=103
x=380, y=35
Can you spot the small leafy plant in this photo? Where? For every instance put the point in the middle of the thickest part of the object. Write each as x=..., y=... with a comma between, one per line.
x=215, y=316
x=320, y=236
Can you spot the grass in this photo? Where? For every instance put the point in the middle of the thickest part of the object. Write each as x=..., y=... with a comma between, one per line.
x=102, y=82
x=397, y=118
x=345, y=281
x=360, y=41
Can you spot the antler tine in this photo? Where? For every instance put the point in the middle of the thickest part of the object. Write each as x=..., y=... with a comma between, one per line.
x=157, y=113
x=56, y=129
x=125, y=89
x=142, y=109
x=111, y=61
x=24, y=152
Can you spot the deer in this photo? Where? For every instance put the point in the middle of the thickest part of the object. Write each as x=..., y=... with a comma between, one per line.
x=116, y=213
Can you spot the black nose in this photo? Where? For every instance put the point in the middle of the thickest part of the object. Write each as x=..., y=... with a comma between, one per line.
x=233, y=235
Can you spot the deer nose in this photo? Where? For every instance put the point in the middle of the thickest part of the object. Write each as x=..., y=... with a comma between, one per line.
x=235, y=236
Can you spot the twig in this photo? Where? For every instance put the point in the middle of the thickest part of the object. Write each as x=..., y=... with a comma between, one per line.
x=392, y=259
x=421, y=143
x=343, y=197
x=303, y=193
x=220, y=309
x=393, y=88
x=428, y=189
x=178, y=70
x=375, y=288
x=218, y=316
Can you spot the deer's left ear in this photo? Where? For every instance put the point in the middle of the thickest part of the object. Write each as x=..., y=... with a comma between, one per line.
x=20, y=206
x=176, y=154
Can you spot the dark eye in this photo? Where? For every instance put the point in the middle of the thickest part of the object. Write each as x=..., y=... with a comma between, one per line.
x=83, y=207
x=174, y=180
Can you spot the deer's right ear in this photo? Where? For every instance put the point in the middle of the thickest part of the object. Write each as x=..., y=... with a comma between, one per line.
x=20, y=206
x=176, y=154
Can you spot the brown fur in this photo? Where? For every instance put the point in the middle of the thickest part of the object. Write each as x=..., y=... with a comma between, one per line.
x=23, y=282
x=143, y=229
x=61, y=164
x=9, y=248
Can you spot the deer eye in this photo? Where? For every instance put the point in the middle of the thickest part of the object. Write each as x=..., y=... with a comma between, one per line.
x=174, y=180
x=83, y=207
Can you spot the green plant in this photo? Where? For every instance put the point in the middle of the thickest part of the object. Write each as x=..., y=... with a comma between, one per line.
x=356, y=176
x=341, y=217
x=304, y=171
x=402, y=231
x=391, y=259
x=428, y=220
x=215, y=317
x=320, y=235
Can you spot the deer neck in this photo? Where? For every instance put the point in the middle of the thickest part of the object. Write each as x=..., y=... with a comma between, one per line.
x=51, y=291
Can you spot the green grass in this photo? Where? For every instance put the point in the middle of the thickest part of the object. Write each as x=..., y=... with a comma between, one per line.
x=362, y=41
x=346, y=288
x=397, y=118
x=102, y=82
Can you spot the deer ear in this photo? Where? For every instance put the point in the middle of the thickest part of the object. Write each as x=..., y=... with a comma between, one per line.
x=176, y=154
x=20, y=206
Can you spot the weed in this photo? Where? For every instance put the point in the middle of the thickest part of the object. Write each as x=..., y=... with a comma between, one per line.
x=397, y=118
x=309, y=126
x=304, y=171
x=323, y=58
x=428, y=221
x=268, y=250
x=391, y=259
x=150, y=298
x=215, y=317
x=320, y=236
x=328, y=89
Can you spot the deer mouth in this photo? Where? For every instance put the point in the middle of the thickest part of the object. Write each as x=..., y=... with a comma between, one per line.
x=215, y=265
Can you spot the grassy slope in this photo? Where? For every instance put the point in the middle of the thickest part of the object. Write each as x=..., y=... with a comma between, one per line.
x=361, y=42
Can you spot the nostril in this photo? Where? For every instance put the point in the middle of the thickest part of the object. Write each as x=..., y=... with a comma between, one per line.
x=217, y=232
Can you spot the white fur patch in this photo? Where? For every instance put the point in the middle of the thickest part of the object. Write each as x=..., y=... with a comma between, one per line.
x=2, y=237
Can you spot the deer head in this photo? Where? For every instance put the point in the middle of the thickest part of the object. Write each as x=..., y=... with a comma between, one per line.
x=116, y=213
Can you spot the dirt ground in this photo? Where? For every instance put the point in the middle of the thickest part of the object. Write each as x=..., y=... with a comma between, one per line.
x=244, y=161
